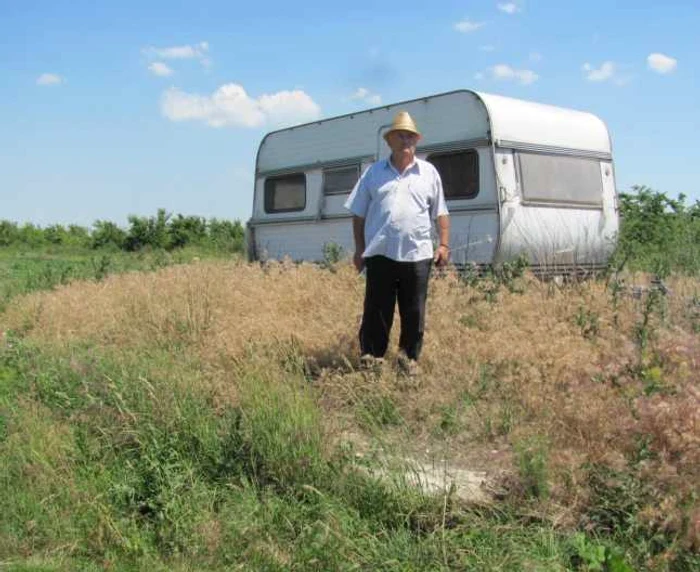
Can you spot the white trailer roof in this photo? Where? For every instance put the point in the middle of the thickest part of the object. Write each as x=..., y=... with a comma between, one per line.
x=536, y=124
x=458, y=116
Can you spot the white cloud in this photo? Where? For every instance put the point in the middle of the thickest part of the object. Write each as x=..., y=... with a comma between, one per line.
x=488, y=48
x=289, y=107
x=199, y=52
x=509, y=7
x=661, y=63
x=505, y=72
x=363, y=94
x=231, y=106
x=467, y=26
x=50, y=79
x=186, y=52
x=160, y=69
x=605, y=72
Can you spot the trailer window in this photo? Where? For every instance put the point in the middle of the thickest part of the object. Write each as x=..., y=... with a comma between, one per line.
x=459, y=172
x=285, y=194
x=340, y=180
x=560, y=179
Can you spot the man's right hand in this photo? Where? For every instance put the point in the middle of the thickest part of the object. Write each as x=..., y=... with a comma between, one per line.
x=358, y=261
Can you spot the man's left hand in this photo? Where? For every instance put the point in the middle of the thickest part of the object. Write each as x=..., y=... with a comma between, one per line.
x=442, y=255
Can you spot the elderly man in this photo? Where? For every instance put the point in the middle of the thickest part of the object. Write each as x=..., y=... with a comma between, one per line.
x=393, y=206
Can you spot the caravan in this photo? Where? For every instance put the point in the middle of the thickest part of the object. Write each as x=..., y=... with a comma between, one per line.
x=520, y=178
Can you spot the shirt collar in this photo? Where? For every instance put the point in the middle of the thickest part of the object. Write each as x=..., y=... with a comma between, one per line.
x=413, y=166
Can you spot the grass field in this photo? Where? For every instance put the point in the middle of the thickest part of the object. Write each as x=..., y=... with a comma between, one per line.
x=24, y=270
x=172, y=413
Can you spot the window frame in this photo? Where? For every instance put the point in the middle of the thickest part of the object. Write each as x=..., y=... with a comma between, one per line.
x=355, y=166
x=466, y=151
x=268, y=195
x=558, y=201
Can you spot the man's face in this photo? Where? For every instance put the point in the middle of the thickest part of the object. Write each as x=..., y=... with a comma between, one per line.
x=403, y=142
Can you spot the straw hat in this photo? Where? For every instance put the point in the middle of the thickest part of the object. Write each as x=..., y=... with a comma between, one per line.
x=402, y=122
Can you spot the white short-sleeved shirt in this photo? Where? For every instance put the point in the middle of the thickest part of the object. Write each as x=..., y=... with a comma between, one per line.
x=398, y=209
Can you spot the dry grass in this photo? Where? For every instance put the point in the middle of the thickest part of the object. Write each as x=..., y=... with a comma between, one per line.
x=218, y=306
x=560, y=364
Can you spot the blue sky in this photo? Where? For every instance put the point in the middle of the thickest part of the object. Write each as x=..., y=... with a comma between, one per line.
x=115, y=108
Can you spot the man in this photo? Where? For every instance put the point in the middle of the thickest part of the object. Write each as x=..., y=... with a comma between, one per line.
x=393, y=206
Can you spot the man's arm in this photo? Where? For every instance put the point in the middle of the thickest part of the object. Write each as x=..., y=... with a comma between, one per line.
x=442, y=253
x=358, y=231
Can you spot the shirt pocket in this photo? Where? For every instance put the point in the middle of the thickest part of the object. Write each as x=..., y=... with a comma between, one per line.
x=384, y=192
x=419, y=197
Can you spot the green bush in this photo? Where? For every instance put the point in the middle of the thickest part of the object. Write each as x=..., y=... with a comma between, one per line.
x=9, y=233
x=186, y=230
x=147, y=231
x=106, y=234
x=162, y=232
x=30, y=235
x=657, y=234
x=226, y=235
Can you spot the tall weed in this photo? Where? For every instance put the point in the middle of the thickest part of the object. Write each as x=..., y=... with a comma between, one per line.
x=209, y=416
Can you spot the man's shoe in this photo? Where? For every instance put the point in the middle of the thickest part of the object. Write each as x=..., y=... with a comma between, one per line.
x=371, y=363
x=408, y=366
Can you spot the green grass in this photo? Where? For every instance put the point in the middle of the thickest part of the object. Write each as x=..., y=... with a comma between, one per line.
x=24, y=270
x=130, y=460
x=118, y=458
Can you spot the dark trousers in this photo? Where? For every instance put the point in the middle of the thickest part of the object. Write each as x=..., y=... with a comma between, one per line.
x=387, y=282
